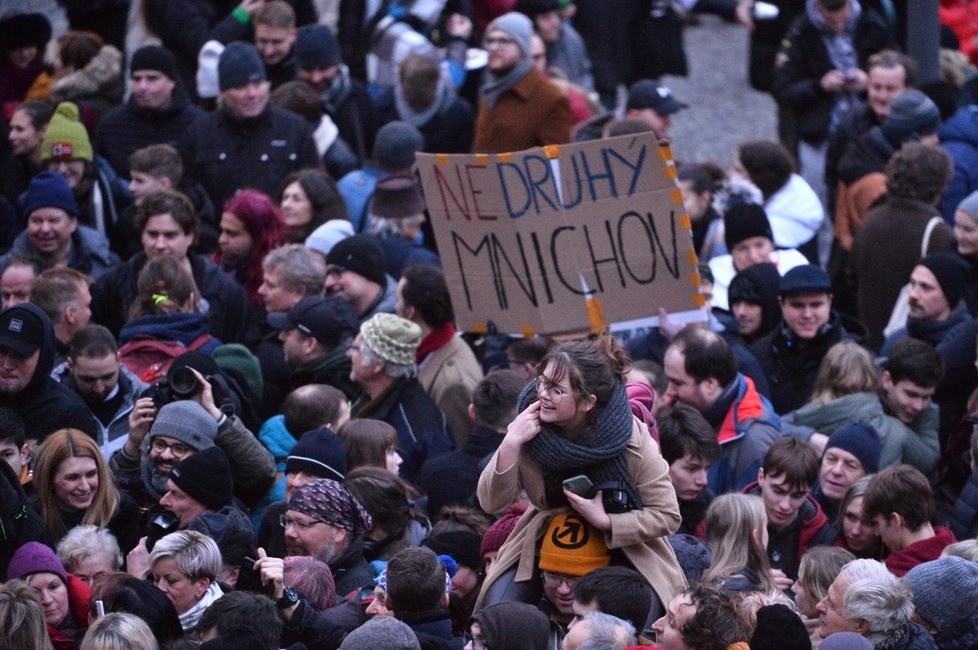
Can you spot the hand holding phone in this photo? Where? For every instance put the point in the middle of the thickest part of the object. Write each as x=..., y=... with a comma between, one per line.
x=580, y=485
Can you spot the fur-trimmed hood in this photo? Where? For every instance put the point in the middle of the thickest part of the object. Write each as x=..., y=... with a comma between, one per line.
x=102, y=76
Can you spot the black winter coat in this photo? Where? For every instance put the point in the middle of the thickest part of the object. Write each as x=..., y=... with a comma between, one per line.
x=127, y=128
x=228, y=310
x=19, y=523
x=797, y=83
x=224, y=153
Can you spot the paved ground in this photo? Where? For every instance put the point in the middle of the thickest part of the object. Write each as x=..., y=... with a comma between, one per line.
x=724, y=110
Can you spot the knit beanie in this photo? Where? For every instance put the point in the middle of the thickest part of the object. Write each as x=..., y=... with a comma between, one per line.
x=500, y=531
x=316, y=48
x=187, y=422
x=744, y=221
x=393, y=338
x=239, y=65
x=572, y=546
x=49, y=190
x=970, y=205
x=328, y=235
x=362, y=255
x=951, y=274
x=911, y=113
x=945, y=592
x=240, y=360
x=845, y=641
x=396, y=145
x=516, y=26
x=205, y=477
x=384, y=632
x=779, y=628
x=320, y=453
x=862, y=441
x=397, y=197
x=157, y=58
x=693, y=555
x=34, y=557
x=332, y=503
x=66, y=137
x=461, y=545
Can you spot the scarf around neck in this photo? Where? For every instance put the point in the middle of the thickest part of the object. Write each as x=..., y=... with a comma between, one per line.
x=600, y=453
x=190, y=618
x=444, y=95
x=496, y=85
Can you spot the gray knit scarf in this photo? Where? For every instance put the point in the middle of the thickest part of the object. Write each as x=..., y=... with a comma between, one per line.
x=599, y=454
x=444, y=96
x=496, y=86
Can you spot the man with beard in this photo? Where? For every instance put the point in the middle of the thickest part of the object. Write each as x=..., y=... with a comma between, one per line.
x=325, y=521
x=108, y=388
x=157, y=441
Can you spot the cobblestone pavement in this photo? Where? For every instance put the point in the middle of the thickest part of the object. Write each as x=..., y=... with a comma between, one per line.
x=723, y=109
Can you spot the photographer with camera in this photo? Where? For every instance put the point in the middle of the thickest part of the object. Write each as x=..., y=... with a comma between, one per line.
x=163, y=434
x=576, y=432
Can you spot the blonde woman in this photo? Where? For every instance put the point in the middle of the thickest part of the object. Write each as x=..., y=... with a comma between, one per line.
x=184, y=566
x=119, y=631
x=736, y=534
x=818, y=568
x=74, y=487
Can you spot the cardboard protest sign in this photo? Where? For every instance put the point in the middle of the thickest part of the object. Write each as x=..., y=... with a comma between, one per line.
x=564, y=238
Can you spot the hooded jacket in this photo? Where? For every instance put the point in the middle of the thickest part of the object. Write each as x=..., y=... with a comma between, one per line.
x=90, y=252
x=959, y=137
x=19, y=522
x=514, y=626
x=758, y=284
x=44, y=404
x=179, y=326
x=96, y=88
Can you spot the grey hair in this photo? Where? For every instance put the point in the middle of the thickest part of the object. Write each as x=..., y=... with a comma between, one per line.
x=865, y=569
x=299, y=269
x=83, y=542
x=885, y=604
x=386, y=228
x=195, y=554
x=607, y=632
x=369, y=357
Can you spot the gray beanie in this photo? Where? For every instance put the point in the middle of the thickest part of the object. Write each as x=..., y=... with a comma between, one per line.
x=239, y=65
x=316, y=48
x=970, y=205
x=396, y=145
x=381, y=632
x=939, y=605
x=519, y=28
x=187, y=422
x=911, y=113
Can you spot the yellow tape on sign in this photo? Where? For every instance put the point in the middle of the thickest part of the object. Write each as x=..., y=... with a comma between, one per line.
x=677, y=196
x=504, y=157
x=691, y=255
x=695, y=280
x=665, y=153
x=480, y=328
x=670, y=172
x=527, y=331
x=482, y=159
x=685, y=222
x=442, y=158
x=698, y=299
x=552, y=151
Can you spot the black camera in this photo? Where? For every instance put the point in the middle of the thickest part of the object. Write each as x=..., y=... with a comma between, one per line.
x=161, y=522
x=179, y=384
x=614, y=497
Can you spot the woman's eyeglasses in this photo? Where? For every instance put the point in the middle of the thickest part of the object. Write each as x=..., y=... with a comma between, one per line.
x=557, y=394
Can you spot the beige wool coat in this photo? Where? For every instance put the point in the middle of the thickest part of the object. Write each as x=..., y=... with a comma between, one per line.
x=639, y=534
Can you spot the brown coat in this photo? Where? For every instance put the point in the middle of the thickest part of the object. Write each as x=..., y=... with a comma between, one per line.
x=533, y=113
x=640, y=534
x=449, y=375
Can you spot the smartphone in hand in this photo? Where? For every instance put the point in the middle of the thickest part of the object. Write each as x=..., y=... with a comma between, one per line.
x=580, y=485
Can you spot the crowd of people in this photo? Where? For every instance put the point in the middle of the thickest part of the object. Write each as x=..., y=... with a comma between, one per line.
x=235, y=410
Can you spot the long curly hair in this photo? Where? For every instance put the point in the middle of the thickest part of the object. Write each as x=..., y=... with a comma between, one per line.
x=263, y=222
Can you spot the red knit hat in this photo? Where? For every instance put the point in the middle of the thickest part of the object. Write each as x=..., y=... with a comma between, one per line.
x=500, y=531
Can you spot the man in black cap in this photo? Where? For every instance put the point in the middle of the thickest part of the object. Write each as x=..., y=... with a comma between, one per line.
x=345, y=99
x=159, y=110
x=245, y=143
x=791, y=353
x=26, y=386
x=355, y=273
x=654, y=104
x=315, y=334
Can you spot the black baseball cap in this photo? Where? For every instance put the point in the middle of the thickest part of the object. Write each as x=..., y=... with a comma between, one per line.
x=21, y=330
x=650, y=94
x=330, y=320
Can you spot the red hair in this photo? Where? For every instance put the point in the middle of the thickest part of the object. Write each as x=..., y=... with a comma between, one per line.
x=263, y=221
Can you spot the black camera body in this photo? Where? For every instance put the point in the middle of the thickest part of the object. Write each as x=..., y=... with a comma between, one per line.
x=614, y=497
x=160, y=523
x=180, y=384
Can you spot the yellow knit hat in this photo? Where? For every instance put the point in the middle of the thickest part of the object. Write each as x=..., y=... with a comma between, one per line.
x=572, y=546
x=66, y=137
